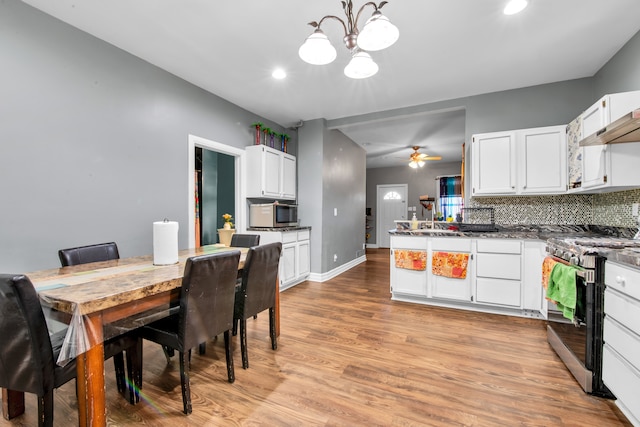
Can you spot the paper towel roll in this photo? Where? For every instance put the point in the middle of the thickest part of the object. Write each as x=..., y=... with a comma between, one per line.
x=165, y=242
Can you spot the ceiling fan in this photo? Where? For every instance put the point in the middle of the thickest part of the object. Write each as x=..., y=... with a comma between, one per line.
x=417, y=159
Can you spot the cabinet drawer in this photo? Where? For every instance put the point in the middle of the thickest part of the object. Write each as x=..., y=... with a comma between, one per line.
x=303, y=235
x=407, y=242
x=625, y=280
x=502, y=266
x=625, y=342
x=448, y=244
x=622, y=379
x=623, y=309
x=498, y=291
x=502, y=246
x=289, y=237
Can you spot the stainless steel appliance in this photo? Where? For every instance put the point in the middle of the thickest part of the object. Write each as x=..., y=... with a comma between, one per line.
x=579, y=344
x=273, y=215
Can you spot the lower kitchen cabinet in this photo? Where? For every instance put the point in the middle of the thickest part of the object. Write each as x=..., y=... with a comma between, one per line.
x=621, y=354
x=404, y=280
x=498, y=272
x=447, y=287
x=503, y=275
x=295, y=259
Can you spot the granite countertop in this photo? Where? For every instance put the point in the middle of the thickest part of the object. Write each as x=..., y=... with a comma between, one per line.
x=629, y=256
x=281, y=229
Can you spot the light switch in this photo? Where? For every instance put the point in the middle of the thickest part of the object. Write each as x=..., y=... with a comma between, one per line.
x=335, y=211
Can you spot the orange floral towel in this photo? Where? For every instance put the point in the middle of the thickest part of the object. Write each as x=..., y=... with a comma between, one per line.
x=547, y=266
x=410, y=260
x=449, y=264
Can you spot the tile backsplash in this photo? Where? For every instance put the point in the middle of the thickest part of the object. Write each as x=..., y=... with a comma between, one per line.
x=612, y=209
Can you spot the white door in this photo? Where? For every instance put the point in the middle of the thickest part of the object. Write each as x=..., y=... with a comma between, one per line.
x=392, y=205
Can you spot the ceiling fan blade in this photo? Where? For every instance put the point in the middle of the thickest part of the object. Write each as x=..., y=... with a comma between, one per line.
x=432, y=158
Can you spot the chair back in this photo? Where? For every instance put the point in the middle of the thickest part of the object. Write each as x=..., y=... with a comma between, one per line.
x=207, y=297
x=259, y=279
x=245, y=240
x=26, y=355
x=87, y=254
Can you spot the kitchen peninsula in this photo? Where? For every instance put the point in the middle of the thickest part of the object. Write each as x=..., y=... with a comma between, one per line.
x=493, y=272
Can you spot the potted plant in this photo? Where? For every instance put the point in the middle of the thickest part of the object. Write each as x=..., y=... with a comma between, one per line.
x=228, y=225
x=258, y=128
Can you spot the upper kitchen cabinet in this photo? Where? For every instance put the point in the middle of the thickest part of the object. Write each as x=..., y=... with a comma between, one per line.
x=270, y=173
x=493, y=158
x=520, y=162
x=599, y=168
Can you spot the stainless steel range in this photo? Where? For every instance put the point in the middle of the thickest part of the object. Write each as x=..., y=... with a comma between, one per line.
x=579, y=343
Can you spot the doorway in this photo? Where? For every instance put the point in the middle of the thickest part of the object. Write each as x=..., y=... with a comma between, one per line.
x=239, y=188
x=392, y=205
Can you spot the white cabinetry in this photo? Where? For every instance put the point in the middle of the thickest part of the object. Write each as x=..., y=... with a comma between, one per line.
x=270, y=173
x=499, y=272
x=621, y=354
x=494, y=163
x=405, y=281
x=533, y=296
x=520, y=162
x=295, y=258
x=447, y=287
x=609, y=166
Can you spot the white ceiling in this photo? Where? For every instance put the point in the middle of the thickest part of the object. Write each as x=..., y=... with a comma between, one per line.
x=447, y=49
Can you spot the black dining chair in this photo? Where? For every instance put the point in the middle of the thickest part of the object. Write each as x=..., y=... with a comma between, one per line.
x=206, y=310
x=107, y=252
x=244, y=240
x=238, y=241
x=257, y=292
x=28, y=353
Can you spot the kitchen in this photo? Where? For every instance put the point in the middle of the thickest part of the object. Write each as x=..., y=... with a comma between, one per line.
x=110, y=169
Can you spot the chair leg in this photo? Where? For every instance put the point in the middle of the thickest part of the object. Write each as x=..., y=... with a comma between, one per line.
x=272, y=328
x=229, y=355
x=243, y=343
x=235, y=327
x=168, y=353
x=202, y=348
x=184, y=381
x=118, y=365
x=134, y=371
x=45, y=410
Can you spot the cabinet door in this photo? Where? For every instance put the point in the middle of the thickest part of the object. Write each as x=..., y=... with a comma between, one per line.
x=304, y=259
x=493, y=162
x=405, y=281
x=543, y=160
x=288, y=263
x=594, y=157
x=272, y=174
x=288, y=182
x=532, y=290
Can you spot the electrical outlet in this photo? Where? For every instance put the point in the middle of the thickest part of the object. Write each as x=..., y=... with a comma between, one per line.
x=634, y=209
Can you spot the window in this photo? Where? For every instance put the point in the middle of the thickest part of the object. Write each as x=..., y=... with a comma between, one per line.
x=392, y=195
x=450, y=200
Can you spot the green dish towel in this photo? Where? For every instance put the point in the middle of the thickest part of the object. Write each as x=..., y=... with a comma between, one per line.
x=562, y=289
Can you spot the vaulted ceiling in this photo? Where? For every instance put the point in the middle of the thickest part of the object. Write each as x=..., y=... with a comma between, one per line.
x=447, y=49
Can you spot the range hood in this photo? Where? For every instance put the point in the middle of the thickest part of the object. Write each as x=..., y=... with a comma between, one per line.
x=625, y=129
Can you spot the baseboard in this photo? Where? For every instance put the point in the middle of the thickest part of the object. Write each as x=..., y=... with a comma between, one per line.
x=323, y=277
x=372, y=246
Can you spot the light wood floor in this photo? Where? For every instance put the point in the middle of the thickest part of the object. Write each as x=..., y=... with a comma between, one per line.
x=348, y=356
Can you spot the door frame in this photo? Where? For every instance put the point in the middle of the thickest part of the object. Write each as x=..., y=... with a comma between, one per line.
x=240, y=185
x=378, y=210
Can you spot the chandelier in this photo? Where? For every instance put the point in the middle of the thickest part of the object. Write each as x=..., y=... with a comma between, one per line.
x=378, y=33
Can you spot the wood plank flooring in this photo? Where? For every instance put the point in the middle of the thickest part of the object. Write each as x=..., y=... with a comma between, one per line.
x=349, y=356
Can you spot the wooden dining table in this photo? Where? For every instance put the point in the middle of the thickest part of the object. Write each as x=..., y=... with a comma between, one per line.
x=93, y=297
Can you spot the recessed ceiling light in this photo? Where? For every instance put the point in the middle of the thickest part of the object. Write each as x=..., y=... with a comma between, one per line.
x=279, y=74
x=515, y=6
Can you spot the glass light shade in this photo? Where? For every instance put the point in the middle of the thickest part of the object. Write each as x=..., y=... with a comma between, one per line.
x=361, y=66
x=378, y=33
x=421, y=163
x=515, y=6
x=317, y=49
x=415, y=164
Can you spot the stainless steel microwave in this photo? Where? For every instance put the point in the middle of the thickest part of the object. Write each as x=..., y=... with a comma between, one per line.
x=272, y=215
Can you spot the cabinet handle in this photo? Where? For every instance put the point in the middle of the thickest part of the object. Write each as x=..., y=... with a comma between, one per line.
x=620, y=280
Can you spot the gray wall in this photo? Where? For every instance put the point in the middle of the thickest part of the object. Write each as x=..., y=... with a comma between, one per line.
x=419, y=182
x=93, y=141
x=331, y=175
